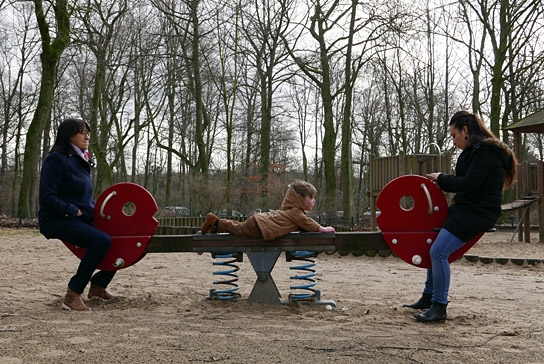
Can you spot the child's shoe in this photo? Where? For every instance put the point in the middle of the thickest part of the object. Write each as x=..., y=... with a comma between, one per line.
x=211, y=224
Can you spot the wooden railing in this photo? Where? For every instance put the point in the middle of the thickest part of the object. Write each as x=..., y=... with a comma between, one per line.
x=176, y=225
x=530, y=176
x=385, y=169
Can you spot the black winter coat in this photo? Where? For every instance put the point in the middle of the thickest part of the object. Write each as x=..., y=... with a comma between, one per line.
x=478, y=183
x=65, y=188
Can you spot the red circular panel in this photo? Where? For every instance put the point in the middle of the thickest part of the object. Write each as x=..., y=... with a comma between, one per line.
x=125, y=212
x=409, y=231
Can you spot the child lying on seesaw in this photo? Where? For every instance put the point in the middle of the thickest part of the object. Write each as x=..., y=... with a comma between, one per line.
x=299, y=198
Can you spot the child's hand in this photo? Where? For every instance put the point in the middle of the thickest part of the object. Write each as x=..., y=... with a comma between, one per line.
x=326, y=229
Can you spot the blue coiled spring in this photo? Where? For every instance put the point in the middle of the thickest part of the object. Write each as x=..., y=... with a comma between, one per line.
x=308, y=274
x=230, y=277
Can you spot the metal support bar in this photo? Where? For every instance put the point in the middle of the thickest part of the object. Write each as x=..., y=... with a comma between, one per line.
x=524, y=213
x=263, y=255
x=264, y=290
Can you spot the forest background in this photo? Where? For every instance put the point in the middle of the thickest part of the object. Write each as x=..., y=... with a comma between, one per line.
x=219, y=104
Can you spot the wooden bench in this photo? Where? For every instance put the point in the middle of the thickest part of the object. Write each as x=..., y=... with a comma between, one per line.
x=263, y=254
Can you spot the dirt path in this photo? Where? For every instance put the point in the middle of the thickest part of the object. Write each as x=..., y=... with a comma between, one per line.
x=162, y=314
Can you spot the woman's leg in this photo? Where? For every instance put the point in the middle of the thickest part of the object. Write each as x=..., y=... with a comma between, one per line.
x=97, y=244
x=103, y=278
x=425, y=300
x=445, y=244
x=429, y=284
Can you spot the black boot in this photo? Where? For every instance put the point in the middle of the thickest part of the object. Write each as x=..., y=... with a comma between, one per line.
x=437, y=312
x=423, y=303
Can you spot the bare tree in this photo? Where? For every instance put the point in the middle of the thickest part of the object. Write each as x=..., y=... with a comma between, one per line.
x=185, y=21
x=304, y=104
x=15, y=101
x=333, y=53
x=52, y=49
x=510, y=26
x=100, y=33
x=226, y=72
x=265, y=23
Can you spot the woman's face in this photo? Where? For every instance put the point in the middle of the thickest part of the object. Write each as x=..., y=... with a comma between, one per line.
x=81, y=140
x=460, y=137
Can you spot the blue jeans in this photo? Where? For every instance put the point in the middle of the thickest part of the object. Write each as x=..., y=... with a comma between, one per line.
x=97, y=244
x=438, y=277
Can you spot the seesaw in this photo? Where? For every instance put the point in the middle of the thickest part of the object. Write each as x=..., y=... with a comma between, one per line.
x=412, y=208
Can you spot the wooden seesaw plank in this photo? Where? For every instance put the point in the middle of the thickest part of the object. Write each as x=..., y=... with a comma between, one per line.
x=290, y=242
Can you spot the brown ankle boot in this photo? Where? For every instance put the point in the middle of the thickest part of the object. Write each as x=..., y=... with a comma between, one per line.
x=96, y=291
x=210, y=224
x=73, y=302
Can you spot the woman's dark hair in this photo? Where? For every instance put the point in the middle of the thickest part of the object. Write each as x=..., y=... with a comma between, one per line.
x=67, y=129
x=477, y=131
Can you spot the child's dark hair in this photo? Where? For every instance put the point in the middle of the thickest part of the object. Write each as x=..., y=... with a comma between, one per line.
x=303, y=188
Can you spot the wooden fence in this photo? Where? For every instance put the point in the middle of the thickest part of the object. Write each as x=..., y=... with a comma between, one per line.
x=181, y=225
x=530, y=189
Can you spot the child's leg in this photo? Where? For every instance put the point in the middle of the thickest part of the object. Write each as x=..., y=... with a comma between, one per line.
x=246, y=229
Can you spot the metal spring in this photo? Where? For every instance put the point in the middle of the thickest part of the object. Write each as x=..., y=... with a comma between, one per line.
x=311, y=294
x=230, y=280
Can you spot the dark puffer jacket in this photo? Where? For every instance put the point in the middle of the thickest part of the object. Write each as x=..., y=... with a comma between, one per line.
x=478, y=183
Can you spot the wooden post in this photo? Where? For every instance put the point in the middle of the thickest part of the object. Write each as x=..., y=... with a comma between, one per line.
x=523, y=180
x=540, y=182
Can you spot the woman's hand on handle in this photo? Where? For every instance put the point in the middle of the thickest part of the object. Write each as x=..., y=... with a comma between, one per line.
x=433, y=176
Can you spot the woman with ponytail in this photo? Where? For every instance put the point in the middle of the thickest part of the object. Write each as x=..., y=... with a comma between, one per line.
x=485, y=167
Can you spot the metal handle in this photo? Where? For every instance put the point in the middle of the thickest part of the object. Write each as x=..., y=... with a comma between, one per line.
x=102, y=215
x=428, y=198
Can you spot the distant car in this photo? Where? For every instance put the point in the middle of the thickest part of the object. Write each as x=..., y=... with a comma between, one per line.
x=177, y=210
x=258, y=211
x=233, y=213
x=367, y=213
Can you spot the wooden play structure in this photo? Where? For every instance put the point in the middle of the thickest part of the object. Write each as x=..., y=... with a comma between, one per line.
x=385, y=169
x=530, y=182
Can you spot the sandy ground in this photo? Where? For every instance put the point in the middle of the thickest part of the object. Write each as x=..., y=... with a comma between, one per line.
x=162, y=314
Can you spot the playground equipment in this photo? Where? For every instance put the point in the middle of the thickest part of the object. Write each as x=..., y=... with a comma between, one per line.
x=413, y=210
x=229, y=276
x=530, y=185
x=125, y=211
x=385, y=169
x=530, y=190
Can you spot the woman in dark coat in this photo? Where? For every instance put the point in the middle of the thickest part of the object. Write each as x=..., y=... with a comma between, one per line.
x=66, y=210
x=484, y=168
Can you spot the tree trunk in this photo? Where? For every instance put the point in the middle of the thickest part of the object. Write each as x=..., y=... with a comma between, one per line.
x=51, y=53
x=346, y=164
x=266, y=116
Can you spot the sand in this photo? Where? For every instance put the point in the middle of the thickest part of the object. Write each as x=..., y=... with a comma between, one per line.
x=162, y=314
